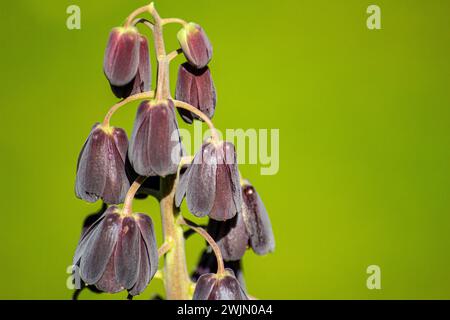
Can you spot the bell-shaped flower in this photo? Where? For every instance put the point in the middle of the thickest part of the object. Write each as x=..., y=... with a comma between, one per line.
x=195, y=45
x=101, y=166
x=231, y=237
x=118, y=252
x=155, y=146
x=196, y=87
x=121, y=59
x=208, y=264
x=211, y=182
x=257, y=221
x=142, y=80
x=212, y=286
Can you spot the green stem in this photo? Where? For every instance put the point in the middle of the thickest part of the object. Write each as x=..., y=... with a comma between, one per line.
x=176, y=278
x=128, y=203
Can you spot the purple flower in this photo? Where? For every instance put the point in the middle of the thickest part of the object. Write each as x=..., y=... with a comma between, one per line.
x=231, y=237
x=118, y=252
x=208, y=264
x=196, y=87
x=195, y=45
x=257, y=221
x=101, y=166
x=211, y=286
x=211, y=183
x=121, y=59
x=155, y=146
x=142, y=80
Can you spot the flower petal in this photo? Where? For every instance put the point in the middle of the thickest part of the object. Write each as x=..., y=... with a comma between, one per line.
x=202, y=181
x=144, y=271
x=145, y=225
x=231, y=237
x=224, y=207
x=100, y=248
x=182, y=185
x=108, y=281
x=204, y=286
x=127, y=253
x=257, y=221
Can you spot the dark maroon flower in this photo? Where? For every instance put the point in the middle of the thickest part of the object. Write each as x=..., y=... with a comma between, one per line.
x=208, y=264
x=195, y=45
x=257, y=221
x=101, y=166
x=121, y=56
x=211, y=286
x=211, y=183
x=196, y=87
x=142, y=80
x=155, y=146
x=118, y=252
x=231, y=237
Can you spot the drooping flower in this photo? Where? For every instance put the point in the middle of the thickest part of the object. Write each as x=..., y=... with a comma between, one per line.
x=121, y=59
x=195, y=45
x=155, y=146
x=118, y=252
x=101, y=166
x=211, y=183
x=142, y=80
x=257, y=221
x=208, y=264
x=212, y=286
x=196, y=87
x=231, y=237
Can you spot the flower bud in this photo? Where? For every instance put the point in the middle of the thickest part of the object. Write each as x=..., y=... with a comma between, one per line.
x=257, y=221
x=155, y=146
x=196, y=87
x=195, y=45
x=101, y=166
x=211, y=183
x=121, y=56
x=231, y=237
x=118, y=252
x=142, y=80
x=213, y=286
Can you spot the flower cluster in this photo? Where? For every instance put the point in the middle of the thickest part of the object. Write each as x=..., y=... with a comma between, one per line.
x=118, y=251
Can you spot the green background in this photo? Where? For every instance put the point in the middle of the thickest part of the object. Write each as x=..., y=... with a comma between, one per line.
x=364, y=139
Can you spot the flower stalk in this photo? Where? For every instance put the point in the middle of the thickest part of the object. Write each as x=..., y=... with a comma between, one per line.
x=209, y=239
x=128, y=204
x=114, y=108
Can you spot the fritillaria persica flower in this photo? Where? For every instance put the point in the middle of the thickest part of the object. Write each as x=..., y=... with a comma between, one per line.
x=231, y=237
x=101, y=166
x=208, y=264
x=142, y=80
x=195, y=45
x=250, y=227
x=211, y=183
x=196, y=87
x=117, y=249
x=212, y=286
x=122, y=56
x=155, y=146
x=257, y=221
x=118, y=252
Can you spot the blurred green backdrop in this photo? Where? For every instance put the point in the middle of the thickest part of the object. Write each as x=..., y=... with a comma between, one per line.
x=364, y=138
